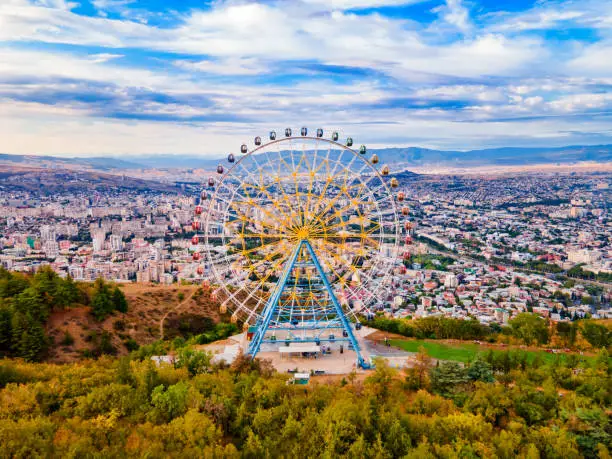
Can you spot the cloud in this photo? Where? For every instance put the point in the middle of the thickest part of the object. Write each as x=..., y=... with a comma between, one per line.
x=358, y=4
x=594, y=60
x=455, y=14
x=454, y=77
x=231, y=66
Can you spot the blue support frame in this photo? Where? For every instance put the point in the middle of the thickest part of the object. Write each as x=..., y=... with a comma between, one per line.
x=271, y=308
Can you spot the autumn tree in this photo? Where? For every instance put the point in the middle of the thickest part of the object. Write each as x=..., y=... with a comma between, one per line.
x=418, y=374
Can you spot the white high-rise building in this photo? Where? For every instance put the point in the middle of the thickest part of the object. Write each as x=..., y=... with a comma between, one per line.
x=116, y=242
x=583, y=256
x=98, y=237
x=47, y=233
x=51, y=249
x=451, y=281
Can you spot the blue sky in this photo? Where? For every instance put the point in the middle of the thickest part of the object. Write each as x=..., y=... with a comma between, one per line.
x=113, y=77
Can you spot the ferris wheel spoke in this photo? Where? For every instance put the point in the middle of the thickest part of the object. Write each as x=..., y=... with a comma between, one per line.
x=330, y=176
x=246, y=252
x=251, y=202
x=282, y=251
x=334, y=199
x=255, y=184
x=354, y=220
x=257, y=284
x=278, y=181
x=295, y=174
x=285, y=198
x=341, y=277
x=264, y=189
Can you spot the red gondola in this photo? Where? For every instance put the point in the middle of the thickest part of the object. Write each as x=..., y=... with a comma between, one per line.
x=200, y=270
x=408, y=240
x=198, y=210
x=408, y=226
x=195, y=225
x=405, y=211
x=401, y=196
x=195, y=240
x=196, y=256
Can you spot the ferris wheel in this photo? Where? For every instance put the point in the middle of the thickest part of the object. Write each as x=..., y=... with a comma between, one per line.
x=298, y=228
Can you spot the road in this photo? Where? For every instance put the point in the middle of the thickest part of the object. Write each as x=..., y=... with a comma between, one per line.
x=468, y=259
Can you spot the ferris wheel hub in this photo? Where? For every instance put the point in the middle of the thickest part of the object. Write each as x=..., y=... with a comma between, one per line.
x=303, y=233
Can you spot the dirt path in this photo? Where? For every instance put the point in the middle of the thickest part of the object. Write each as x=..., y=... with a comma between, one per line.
x=176, y=308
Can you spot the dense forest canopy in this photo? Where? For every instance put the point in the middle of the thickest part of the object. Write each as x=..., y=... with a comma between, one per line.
x=130, y=407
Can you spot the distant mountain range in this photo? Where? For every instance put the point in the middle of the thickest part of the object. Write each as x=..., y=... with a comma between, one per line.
x=407, y=156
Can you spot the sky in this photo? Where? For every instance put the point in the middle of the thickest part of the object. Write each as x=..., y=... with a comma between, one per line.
x=142, y=77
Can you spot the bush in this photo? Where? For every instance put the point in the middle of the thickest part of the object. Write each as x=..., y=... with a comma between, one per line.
x=131, y=344
x=67, y=340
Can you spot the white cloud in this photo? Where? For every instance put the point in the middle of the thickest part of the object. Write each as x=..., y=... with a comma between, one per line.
x=247, y=31
x=231, y=66
x=496, y=70
x=593, y=60
x=455, y=14
x=359, y=4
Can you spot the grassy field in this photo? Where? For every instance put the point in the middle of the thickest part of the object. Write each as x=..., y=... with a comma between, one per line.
x=464, y=352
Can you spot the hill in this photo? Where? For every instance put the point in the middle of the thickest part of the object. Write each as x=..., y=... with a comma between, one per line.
x=152, y=310
x=132, y=407
x=59, y=181
x=416, y=156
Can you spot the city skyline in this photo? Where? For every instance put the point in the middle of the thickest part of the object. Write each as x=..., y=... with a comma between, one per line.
x=106, y=77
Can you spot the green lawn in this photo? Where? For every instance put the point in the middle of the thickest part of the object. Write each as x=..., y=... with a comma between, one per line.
x=463, y=352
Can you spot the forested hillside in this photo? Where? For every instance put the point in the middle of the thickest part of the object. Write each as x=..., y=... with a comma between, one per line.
x=45, y=317
x=26, y=303
x=128, y=407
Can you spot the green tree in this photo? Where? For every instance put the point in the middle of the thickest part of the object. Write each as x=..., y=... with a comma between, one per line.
x=67, y=292
x=119, y=302
x=169, y=403
x=479, y=370
x=530, y=328
x=101, y=302
x=45, y=282
x=12, y=284
x=586, y=299
x=567, y=331
x=5, y=329
x=31, y=302
x=28, y=337
x=598, y=335
x=196, y=362
x=448, y=378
